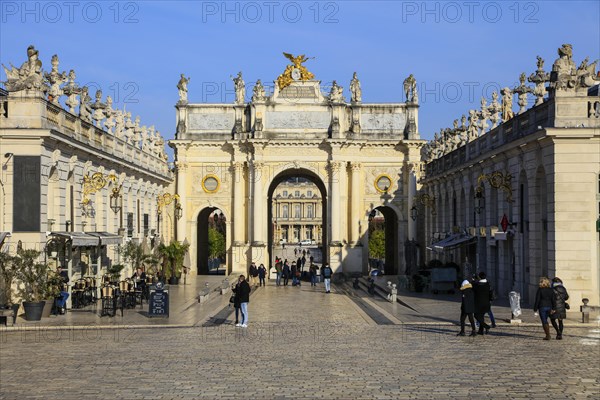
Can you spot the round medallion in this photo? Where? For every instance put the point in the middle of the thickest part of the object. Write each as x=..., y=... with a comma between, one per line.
x=296, y=75
x=383, y=183
x=210, y=184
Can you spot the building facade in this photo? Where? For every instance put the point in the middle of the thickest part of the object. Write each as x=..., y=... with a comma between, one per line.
x=297, y=210
x=78, y=177
x=521, y=200
x=360, y=156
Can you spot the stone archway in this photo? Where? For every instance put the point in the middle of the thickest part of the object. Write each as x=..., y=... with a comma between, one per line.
x=392, y=240
x=203, y=263
x=318, y=181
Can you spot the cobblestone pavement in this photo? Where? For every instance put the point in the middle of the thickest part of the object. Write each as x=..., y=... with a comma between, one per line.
x=301, y=344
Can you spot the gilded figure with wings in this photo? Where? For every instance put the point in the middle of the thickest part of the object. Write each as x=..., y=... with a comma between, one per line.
x=295, y=71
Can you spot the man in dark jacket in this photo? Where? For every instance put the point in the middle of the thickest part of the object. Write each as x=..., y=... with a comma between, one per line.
x=467, y=307
x=243, y=291
x=481, y=291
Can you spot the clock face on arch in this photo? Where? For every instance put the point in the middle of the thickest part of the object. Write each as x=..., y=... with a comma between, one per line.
x=383, y=183
x=210, y=184
x=296, y=75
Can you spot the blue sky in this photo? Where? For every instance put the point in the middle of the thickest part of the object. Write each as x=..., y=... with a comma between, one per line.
x=458, y=51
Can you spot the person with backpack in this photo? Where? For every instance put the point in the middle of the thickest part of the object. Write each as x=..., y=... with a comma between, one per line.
x=327, y=272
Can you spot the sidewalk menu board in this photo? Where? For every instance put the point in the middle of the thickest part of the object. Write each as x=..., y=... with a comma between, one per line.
x=159, y=301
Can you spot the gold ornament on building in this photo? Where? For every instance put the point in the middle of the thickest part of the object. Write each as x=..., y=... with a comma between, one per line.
x=427, y=201
x=294, y=72
x=94, y=183
x=497, y=180
x=164, y=200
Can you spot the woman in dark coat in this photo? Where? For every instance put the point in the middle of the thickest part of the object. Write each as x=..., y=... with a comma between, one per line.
x=560, y=311
x=467, y=307
x=545, y=302
x=481, y=290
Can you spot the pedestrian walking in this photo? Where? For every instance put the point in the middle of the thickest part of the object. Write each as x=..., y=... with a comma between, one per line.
x=253, y=272
x=481, y=291
x=262, y=271
x=545, y=304
x=243, y=291
x=286, y=273
x=560, y=311
x=467, y=307
x=327, y=272
x=312, y=270
x=278, y=270
x=294, y=270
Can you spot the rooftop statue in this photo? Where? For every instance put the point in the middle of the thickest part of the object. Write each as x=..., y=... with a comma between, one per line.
x=295, y=71
x=28, y=76
x=507, y=104
x=85, y=110
x=336, y=94
x=258, y=93
x=410, y=89
x=355, y=91
x=109, y=114
x=563, y=69
x=183, y=89
x=240, y=88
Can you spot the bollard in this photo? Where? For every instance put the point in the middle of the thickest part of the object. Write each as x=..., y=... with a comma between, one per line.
x=585, y=311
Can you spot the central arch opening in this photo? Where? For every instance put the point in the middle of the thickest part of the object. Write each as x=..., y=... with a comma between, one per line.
x=297, y=219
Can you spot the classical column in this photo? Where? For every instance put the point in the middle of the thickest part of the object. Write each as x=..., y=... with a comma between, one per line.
x=334, y=199
x=355, y=204
x=412, y=192
x=181, y=186
x=238, y=203
x=258, y=206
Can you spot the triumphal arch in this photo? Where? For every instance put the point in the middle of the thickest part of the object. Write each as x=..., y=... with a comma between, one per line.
x=361, y=156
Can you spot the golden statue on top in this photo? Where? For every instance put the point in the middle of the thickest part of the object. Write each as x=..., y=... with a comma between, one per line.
x=295, y=71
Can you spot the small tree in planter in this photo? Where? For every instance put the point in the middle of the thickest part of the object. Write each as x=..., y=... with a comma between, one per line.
x=33, y=279
x=173, y=256
x=8, y=270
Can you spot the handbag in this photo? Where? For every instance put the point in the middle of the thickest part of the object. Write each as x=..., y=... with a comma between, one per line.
x=567, y=306
x=232, y=298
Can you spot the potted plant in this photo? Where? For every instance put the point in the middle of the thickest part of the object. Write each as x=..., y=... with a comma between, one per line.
x=32, y=277
x=53, y=286
x=173, y=257
x=115, y=272
x=8, y=271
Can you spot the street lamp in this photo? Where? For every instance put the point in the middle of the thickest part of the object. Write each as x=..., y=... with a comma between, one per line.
x=414, y=213
x=116, y=200
x=479, y=200
x=178, y=210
